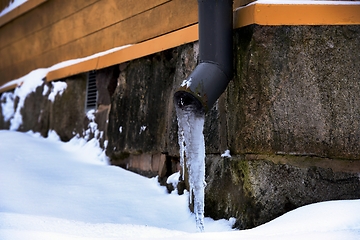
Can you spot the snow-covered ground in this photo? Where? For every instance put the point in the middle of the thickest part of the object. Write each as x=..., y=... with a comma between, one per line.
x=55, y=190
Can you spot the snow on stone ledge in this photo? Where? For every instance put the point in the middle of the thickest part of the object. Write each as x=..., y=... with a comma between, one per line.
x=58, y=89
x=226, y=154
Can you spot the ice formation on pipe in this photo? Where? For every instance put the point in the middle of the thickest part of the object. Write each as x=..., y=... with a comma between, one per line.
x=192, y=147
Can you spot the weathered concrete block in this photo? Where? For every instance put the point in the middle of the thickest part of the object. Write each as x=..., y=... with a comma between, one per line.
x=51, y=108
x=141, y=163
x=291, y=118
x=142, y=116
x=296, y=90
x=36, y=111
x=101, y=119
x=106, y=80
x=157, y=163
x=258, y=190
x=6, y=109
x=68, y=117
x=146, y=164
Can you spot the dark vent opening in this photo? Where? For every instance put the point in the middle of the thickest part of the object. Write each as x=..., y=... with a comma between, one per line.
x=91, y=93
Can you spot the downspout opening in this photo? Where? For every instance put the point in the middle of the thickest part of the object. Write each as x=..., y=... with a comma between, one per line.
x=202, y=88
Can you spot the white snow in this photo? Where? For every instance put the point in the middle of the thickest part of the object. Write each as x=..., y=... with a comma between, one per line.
x=226, y=154
x=173, y=179
x=142, y=129
x=55, y=190
x=192, y=144
x=28, y=85
x=12, y=6
x=92, y=126
x=7, y=105
x=186, y=82
x=58, y=89
x=33, y=80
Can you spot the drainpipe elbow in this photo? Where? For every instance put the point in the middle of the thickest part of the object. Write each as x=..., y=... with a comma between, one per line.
x=211, y=77
x=202, y=88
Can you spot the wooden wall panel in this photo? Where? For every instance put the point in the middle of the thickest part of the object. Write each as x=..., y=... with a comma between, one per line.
x=85, y=22
x=42, y=40
x=157, y=21
x=44, y=15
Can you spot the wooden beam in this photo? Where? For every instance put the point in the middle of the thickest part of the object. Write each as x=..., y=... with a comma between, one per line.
x=8, y=88
x=298, y=13
x=171, y=40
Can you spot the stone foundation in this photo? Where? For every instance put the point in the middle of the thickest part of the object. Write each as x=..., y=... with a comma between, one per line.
x=256, y=189
x=290, y=118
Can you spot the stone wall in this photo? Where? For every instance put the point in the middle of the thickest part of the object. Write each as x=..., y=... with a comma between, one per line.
x=292, y=123
x=299, y=91
x=64, y=112
x=290, y=118
x=142, y=118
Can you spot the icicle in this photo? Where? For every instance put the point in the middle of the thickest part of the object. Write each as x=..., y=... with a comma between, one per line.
x=192, y=145
x=182, y=150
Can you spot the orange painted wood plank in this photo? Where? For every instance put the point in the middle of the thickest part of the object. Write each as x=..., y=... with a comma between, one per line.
x=171, y=40
x=168, y=41
x=74, y=69
x=8, y=88
x=244, y=16
x=301, y=13
x=87, y=21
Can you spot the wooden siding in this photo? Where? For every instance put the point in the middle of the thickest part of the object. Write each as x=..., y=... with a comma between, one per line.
x=58, y=30
x=158, y=44
x=271, y=14
x=316, y=13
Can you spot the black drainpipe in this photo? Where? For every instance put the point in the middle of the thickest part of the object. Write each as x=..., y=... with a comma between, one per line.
x=211, y=77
